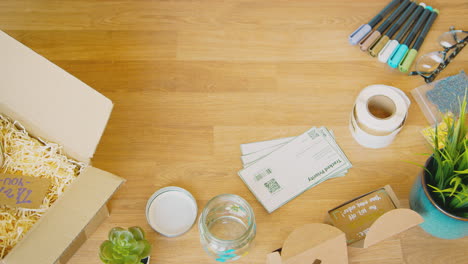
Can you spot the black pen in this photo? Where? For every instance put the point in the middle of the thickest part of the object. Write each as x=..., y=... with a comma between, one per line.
x=411, y=55
x=402, y=49
x=387, y=51
x=372, y=38
x=377, y=47
x=363, y=30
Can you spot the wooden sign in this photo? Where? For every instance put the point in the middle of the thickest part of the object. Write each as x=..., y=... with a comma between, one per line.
x=355, y=217
x=22, y=191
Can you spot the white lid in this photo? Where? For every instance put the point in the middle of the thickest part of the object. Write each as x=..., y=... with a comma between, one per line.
x=171, y=211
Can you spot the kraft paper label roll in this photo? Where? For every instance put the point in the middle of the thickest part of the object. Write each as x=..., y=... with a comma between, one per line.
x=391, y=102
x=378, y=115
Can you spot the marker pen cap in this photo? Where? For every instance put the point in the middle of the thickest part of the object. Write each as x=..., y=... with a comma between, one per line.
x=374, y=50
x=405, y=64
x=430, y=8
x=397, y=56
x=388, y=50
x=359, y=34
x=371, y=39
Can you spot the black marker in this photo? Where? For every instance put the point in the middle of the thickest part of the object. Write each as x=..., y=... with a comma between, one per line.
x=387, y=51
x=363, y=30
x=377, y=47
x=401, y=51
x=372, y=38
x=411, y=55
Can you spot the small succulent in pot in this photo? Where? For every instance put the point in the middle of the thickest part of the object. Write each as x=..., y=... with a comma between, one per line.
x=125, y=246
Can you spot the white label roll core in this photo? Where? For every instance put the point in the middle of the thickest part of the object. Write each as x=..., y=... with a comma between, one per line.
x=378, y=115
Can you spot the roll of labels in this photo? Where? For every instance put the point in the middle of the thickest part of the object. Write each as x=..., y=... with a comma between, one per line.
x=378, y=115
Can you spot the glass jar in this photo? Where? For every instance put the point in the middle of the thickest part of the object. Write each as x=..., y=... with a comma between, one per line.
x=227, y=227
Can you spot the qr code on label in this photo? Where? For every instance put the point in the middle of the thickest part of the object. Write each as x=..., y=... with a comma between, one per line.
x=272, y=185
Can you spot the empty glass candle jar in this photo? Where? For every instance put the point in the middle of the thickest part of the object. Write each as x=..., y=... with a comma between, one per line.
x=227, y=227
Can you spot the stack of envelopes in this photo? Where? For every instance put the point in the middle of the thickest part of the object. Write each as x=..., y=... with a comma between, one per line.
x=276, y=171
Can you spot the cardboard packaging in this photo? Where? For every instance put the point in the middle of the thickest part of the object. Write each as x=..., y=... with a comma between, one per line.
x=54, y=105
x=312, y=244
x=323, y=243
x=390, y=223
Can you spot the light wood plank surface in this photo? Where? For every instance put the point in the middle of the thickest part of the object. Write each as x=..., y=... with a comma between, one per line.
x=191, y=80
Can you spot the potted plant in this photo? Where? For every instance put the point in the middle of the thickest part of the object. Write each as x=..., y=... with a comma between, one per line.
x=440, y=193
x=125, y=247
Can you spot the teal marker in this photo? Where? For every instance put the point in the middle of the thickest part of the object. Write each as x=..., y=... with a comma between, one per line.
x=405, y=64
x=402, y=49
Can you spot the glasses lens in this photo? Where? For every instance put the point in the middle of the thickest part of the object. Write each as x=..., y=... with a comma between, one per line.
x=428, y=63
x=451, y=38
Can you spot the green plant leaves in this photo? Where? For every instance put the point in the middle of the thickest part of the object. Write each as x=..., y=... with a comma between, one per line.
x=147, y=250
x=447, y=176
x=132, y=259
x=124, y=246
x=114, y=234
x=105, y=251
x=137, y=232
x=455, y=181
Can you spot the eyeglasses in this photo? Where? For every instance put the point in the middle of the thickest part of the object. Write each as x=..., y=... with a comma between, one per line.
x=431, y=64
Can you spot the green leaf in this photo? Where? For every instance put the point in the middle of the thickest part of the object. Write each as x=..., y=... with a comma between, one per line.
x=147, y=250
x=117, y=255
x=106, y=249
x=137, y=232
x=126, y=237
x=437, y=190
x=457, y=181
x=116, y=261
x=114, y=234
x=132, y=259
x=138, y=248
x=463, y=214
x=104, y=260
x=462, y=172
x=419, y=165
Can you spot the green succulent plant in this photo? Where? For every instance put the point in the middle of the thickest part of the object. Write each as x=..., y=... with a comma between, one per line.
x=125, y=246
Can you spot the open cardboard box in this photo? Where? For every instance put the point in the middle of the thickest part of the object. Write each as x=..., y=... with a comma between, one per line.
x=54, y=105
x=323, y=243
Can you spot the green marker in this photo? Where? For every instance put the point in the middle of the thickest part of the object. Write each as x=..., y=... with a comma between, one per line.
x=377, y=47
x=387, y=51
x=405, y=64
x=400, y=52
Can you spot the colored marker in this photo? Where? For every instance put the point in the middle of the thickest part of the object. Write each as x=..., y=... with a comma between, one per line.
x=363, y=30
x=400, y=52
x=372, y=38
x=411, y=55
x=385, y=53
x=377, y=47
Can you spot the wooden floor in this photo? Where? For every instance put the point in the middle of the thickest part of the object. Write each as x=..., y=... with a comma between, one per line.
x=191, y=80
